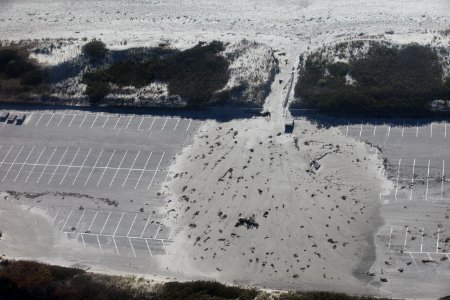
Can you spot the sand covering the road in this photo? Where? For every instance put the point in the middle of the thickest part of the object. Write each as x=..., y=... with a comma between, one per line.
x=313, y=229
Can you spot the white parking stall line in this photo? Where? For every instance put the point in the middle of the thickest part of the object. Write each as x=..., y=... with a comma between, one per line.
x=159, y=227
x=79, y=221
x=106, y=121
x=176, y=124
x=398, y=177
x=346, y=131
x=131, y=227
x=143, y=170
x=164, y=125
x=150, y=251
x=82, y=239
x=82, y=165
x=118, y=224
x=388, y=133
x=140, y=123
x=132, y=166
x=151, y=125
x=170, y=235
x=95, y=119
x=104, y=170
x=26, y=159
x=428, y=179
x=163, y=247
x=1, y=164
x=10, y=167
x=374, y=130
x=35, y=125
x=117, y=171
x=45, y=167
x=421, y=242
x=103, y=227
x=59, y=123
x=414, y=261
x=406, y=237
x=190, y=121
x=81, y=124
x=437, y=240
x=56, y=216
x=412, y=180
x=32, y=169
x=442, y=179
x=431, y=130
x=117, y=122
x=70, y=166
x=132, y=248
x=93, y=168
x=403, y=130
x=146, y=224
x=99, y=245
x=27, y=120
x=115, y=245
x=49, y=120
x=71, y=121
x=59, y=163
x=156, y=171
x=360, y=131
x=68, y=217
x=445, y=129
x=417, y=130
x=167, y=175
x=429, y=256
x=129, y=121
x=390, y=239
x=92, y=222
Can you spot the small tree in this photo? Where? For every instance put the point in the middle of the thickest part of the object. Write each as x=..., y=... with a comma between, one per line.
x=95, y=50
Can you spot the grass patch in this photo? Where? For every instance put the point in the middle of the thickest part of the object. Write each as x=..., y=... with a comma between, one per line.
x=194, y=74
x=386, y=78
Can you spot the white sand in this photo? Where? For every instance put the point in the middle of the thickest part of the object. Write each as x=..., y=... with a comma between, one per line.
x=313, y=228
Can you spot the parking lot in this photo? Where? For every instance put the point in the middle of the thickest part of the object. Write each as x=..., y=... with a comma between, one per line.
x=415, y=236
x=96, y=176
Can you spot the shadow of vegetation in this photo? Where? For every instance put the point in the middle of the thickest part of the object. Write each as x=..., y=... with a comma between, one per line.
x=219, y=113
x=407, y=119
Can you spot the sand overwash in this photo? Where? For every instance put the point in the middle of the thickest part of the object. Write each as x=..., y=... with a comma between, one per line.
x=252, y=211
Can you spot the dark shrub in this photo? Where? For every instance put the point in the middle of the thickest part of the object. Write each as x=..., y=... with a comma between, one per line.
x=194, y=74
x=14, y=64
x=97, y=91
x=408, y=77
x=204, y=290
x=34, y=77
x=95, y=50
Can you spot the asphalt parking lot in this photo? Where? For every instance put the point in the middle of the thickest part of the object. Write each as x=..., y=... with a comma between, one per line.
x=96, y=176
x=414, y=241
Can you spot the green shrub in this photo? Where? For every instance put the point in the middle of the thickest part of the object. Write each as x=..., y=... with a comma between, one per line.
x=95, y=50
x=406, y=77
x=198, y=290
x=33, y=78
x=97, y=91
x=194, y=74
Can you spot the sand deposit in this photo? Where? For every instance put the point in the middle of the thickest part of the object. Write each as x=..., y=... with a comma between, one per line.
x=253, y=212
